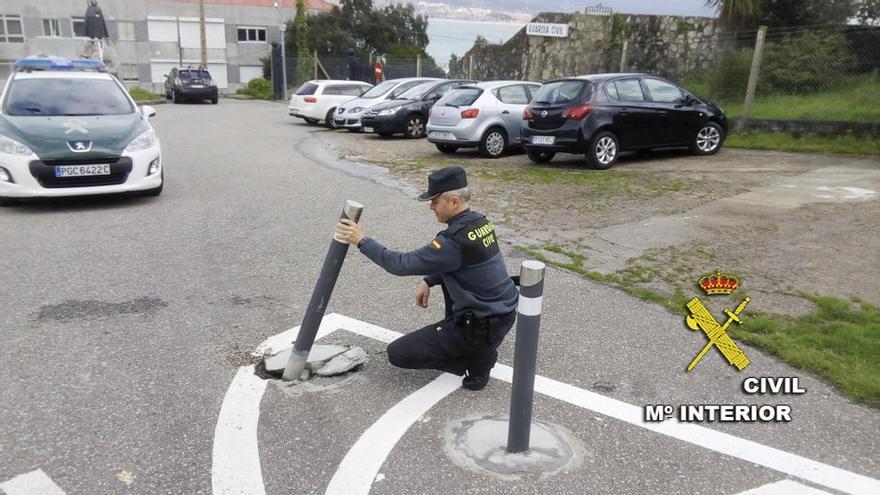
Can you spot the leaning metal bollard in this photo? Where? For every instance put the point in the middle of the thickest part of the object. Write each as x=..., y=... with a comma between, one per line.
x=525, y=355
x=320, y=296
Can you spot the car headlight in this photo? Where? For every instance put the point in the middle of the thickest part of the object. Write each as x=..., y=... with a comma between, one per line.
x=12, y=147
x=356, y=110
x=389, y=111
x=142, y=142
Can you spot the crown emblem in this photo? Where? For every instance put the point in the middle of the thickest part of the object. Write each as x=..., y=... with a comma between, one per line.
x=719, y=283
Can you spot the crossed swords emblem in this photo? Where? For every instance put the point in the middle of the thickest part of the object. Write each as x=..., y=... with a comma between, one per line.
x=701, y=319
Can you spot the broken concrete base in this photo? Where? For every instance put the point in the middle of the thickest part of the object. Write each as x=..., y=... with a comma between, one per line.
x=479, y=444
x=324, y=360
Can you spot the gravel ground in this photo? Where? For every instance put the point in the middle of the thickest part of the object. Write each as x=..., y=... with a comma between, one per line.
x=785, y=223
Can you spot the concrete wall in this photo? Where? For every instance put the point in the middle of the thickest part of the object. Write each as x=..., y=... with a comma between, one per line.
x=664, y=45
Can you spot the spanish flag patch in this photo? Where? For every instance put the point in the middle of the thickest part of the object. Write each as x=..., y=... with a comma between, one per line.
x=436, y=244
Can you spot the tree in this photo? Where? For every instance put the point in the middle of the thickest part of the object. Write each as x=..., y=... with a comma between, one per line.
x=301, y=26
x=806, y=12
x=869, y=13
x=735, y=13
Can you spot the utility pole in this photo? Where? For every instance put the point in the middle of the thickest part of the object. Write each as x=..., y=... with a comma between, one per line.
x=179, y=47
x=202, y=34
x=281, y=27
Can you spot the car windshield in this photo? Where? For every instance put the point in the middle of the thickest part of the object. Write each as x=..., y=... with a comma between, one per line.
x=58, y=97
x=379, y=90
x=417, y=92
x=559, y=92
x=193, y=74
x=307, y=89
x=460, y=97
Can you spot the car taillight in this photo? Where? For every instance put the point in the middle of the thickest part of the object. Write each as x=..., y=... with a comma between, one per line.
x=470, y=113
x=211, y=83
x=310, y=99
x=177, y=82
x=577, y=113
x=527, y=114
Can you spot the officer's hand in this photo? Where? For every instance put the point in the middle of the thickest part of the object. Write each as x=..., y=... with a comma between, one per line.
x=349, y=232
x=422, y=293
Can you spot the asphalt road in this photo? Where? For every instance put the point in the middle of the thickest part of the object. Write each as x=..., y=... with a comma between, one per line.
x=124, y=320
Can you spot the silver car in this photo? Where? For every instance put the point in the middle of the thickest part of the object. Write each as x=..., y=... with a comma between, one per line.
x=348, y=115
x=486, y=115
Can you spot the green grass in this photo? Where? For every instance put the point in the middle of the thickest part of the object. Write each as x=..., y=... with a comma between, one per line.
x=838, y=145
x=838, y=340
x=857, y=101
x=140, y=94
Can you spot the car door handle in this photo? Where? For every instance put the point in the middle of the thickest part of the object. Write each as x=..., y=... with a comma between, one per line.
x=505, y=112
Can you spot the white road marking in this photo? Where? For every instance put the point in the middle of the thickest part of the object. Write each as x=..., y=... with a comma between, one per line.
x=32, y=483
x=769, y=457
x=235, y=461
x=784, y=487
x=360, y=467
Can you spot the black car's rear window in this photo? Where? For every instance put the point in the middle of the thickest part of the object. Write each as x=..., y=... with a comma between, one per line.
x=460, y=97
x=58, y=97
x=193, y=74
x=560, y=92
x=307, y=89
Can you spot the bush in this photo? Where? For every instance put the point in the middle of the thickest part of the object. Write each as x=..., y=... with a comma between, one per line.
x=806, y=63
x=727, y=81
x=258, y=88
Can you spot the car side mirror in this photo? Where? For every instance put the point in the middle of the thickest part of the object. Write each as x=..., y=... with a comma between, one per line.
x=689, y=100
x=148, y=111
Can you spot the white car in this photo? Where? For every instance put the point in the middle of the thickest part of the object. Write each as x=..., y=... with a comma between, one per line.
x=67, y=128
x=315, y=101
x=349, y=114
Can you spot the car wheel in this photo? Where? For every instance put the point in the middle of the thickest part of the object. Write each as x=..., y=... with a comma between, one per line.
x=540, y=156
x=214, y=100
x=415, y=127
x=311, y=121
x=328, y=119
x=494, y=143
x=603, y=150
x=446, y=148
x=175, y=97
x=709, y=140
x=5, y=202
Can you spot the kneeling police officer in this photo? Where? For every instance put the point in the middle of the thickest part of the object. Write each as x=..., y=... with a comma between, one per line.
x=466, y=262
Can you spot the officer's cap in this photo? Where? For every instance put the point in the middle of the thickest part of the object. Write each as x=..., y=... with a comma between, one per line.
x=445, y=179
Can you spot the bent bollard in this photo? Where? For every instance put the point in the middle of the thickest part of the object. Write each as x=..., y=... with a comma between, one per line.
x=528, y=319
x=320, y=296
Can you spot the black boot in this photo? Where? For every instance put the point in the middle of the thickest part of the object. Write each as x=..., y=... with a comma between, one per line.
x=477, y=374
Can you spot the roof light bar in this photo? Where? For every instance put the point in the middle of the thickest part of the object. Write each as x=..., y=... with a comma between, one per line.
x=42, y=62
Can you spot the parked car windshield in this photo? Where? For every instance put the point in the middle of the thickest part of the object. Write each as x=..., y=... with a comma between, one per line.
x=193, y=74
x=62, y=97
x=559, y=92
x=460, y=97
x=379, y=90
x=417, y=92
x=307, y=89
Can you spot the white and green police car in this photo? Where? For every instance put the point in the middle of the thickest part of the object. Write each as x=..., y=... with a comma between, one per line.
x=68, y=128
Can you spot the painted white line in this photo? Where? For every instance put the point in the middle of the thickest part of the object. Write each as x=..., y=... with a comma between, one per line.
x=235, y=461
x=747, y=450
x=32, y=483
x=359, y=468
x=784, y=487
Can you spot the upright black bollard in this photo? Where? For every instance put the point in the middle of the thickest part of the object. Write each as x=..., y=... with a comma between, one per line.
x=528, y=319
x=320, y=297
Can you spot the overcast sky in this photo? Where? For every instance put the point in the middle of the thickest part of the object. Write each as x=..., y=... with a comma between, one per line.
x=670, y=7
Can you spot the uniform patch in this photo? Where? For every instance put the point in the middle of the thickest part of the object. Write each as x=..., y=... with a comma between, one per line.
x=436, y=244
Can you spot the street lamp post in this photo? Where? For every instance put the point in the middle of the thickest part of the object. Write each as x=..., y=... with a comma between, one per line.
x=281, y=27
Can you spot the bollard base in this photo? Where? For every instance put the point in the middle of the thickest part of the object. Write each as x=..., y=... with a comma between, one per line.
x=296, y=364
x=479, y=444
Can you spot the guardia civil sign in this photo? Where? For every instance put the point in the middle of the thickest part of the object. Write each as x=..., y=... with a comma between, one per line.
x=544, y=29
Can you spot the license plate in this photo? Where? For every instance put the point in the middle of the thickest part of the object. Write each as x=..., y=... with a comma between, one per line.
x=82, y=170
x=368, y=129
x=443, y=135
x=197, y=86
x=543, y=139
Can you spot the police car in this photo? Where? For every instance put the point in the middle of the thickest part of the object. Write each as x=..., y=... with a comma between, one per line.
x=68, y=128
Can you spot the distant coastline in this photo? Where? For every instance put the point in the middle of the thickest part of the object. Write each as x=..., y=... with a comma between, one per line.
x=447, y=36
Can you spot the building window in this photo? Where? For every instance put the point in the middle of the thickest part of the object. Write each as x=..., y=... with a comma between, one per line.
x=126, y=31
x=51, y=27
x=79, y=26
x=6, y=68
x=251, y=34
x=10, y=29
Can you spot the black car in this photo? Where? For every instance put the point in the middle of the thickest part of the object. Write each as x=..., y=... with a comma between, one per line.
x=603, y=114
x=187, y=83
x=408, y=113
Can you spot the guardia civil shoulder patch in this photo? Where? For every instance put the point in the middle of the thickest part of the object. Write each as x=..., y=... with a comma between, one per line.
x=436, y=244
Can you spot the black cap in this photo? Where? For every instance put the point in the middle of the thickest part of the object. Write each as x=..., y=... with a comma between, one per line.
x=445, y=179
